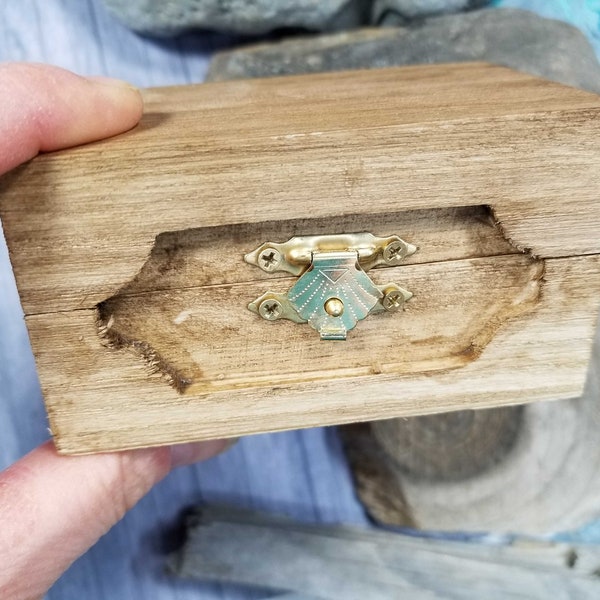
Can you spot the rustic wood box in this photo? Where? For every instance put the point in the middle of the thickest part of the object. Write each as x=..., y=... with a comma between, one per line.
x=129, y=253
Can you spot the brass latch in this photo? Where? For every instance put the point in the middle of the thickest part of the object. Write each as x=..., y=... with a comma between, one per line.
x=334, y=291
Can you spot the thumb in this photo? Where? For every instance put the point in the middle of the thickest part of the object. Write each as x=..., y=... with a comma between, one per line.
x=46, y=108
x=53, y=508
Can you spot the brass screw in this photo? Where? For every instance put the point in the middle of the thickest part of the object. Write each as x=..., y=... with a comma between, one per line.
x=394, y=252
x=393, y=300
x=269, y=259
x=334, y=307
x=270, y=309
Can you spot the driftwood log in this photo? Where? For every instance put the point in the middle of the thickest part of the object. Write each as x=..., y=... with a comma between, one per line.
x=526, y=469
x=344, y=563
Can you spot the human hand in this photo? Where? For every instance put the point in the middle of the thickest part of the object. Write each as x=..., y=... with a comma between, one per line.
x=53, y=508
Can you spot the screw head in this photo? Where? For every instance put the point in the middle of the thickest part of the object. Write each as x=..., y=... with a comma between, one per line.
x=270, y=309
x=393, y=300
x=269, y=260
x=394, y=252
x=334, y=307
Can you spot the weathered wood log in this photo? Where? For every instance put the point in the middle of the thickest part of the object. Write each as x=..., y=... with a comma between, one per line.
x=344, y=563
x=128, y=253
x=527, y=469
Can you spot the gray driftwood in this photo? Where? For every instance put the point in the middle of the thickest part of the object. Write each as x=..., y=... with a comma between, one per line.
x=511, y=37
x=344, y=563
x=530, y=469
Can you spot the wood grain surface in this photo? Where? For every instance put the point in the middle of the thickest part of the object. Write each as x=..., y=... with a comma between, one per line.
x=345, y=563
x=135, y=243
x=407, y=138
x=111, y=398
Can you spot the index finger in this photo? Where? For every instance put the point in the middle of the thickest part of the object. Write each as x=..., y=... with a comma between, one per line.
x=46, y=108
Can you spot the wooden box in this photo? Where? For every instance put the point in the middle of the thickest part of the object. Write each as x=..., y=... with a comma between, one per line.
x=128, y=253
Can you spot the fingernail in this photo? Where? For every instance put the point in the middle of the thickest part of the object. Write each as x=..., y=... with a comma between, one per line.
x=112, y=82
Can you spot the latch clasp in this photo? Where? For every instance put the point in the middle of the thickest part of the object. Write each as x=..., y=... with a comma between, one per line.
x=334, y=291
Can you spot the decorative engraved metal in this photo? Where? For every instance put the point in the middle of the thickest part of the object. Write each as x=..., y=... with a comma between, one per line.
x=334, y=291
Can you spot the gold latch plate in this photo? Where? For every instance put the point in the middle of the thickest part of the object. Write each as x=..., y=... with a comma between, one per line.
x=333, y=291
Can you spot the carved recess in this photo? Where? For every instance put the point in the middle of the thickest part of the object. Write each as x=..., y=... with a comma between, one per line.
x=190, y=299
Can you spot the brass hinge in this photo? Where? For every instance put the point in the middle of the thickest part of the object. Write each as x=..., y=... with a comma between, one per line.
x=334, y=291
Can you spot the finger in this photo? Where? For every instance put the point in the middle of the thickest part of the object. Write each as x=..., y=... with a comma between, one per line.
x=53, y=508
x=45, y=108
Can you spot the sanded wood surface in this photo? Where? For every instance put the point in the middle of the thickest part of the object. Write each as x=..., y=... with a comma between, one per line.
x=128, y=253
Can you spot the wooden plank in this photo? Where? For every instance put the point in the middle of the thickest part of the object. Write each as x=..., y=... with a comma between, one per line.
x=136, y=244
x=336, y=563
